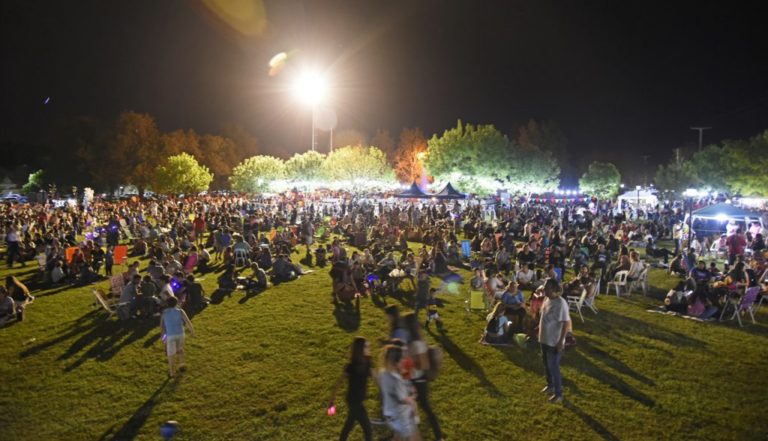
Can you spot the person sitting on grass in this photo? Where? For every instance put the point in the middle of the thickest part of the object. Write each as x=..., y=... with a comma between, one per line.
x=525, y=277
x=172, y=323
x=195, y=293
x=497, y=325
x=227, y=280
x=7, y=307
x=258, y=279
x=514, y=302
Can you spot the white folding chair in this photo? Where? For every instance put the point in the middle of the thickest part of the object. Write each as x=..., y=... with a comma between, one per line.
x=576, y=302
x=619, y=282
x=641, y=282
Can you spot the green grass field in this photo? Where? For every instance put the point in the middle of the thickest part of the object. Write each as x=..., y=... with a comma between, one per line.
x=261, y=368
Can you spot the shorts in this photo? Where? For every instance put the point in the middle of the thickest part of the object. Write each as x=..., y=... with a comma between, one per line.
x=403, y=426
x=174, y=344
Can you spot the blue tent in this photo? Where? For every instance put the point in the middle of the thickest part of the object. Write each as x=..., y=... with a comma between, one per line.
x=724, y=212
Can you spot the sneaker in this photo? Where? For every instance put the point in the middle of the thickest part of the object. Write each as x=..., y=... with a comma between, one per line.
x=554, y=399
x=546, y=390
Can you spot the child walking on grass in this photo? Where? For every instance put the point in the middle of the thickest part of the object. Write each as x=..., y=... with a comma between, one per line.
x=172, y=324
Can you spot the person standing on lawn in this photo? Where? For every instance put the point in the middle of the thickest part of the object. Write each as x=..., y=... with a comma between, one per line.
x=357, y=372
x=553, y=327
x=172, y=324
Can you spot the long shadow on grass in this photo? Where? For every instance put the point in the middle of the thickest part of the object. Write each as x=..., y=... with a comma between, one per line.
x=81, y=325
x=131, y=428
x=586, y=345
x=586, y=366
x=589, y=421
x=606, y=321
x=466, y=362
x=105, y=340
x=347, y=314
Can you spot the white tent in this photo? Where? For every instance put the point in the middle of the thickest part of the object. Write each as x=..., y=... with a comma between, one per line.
x=644, y=197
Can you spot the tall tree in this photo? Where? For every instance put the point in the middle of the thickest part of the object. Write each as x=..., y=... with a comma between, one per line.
x=182, y=141
x=246, y=145
x=219, y=155
x=355, y=164
x=481, y=159
x=409, y=156
x=384, y=142
x=182, y=174
x=747, y=164
x=255, y=174
x=135, y=149
x=547, y=136
x=304, y=166
x=78, y=156
x=601, y=180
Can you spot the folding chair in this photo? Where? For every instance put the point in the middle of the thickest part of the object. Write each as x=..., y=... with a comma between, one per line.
x=476, y=300
x=576, y=302
x=109, y=306
x=746, y=303
x=619, y=282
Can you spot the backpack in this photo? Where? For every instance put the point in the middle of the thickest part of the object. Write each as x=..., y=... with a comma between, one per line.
x=435, y=355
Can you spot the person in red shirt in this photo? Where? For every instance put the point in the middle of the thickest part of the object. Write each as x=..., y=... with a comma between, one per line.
x=736, y=243
x=199, y=226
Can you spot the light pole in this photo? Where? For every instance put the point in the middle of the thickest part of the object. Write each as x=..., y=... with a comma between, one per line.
x=311, y=88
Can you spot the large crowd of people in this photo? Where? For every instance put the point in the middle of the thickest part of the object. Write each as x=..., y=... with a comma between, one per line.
x=518, y=253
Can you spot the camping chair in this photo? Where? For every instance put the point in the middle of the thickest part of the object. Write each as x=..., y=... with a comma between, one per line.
x=619, y=282
x=641, y=282
x=241, y=257
x=111, y=307
x=476, y=301
x=745, y=303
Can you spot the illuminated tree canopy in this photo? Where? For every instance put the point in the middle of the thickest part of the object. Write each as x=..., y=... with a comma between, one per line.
x=182, y=174
x=255, y=174
x=481, y=159
x=601, y=180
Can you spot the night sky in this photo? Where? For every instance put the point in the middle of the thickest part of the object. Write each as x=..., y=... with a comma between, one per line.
x=622, y=79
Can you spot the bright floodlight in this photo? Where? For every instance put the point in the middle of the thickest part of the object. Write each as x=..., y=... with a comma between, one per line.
x=691, y=192
x=721, y=217
x=311, y=88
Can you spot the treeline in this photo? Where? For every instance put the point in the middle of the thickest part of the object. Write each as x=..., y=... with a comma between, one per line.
x=735, y=167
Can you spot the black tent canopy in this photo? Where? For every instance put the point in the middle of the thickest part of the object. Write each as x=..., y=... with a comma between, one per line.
x=413, y=192
x=448, y=192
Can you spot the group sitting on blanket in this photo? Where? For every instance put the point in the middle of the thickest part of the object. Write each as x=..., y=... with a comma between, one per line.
x=707, y=291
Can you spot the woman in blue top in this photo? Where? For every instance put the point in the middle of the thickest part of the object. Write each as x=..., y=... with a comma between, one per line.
x=172, y=324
